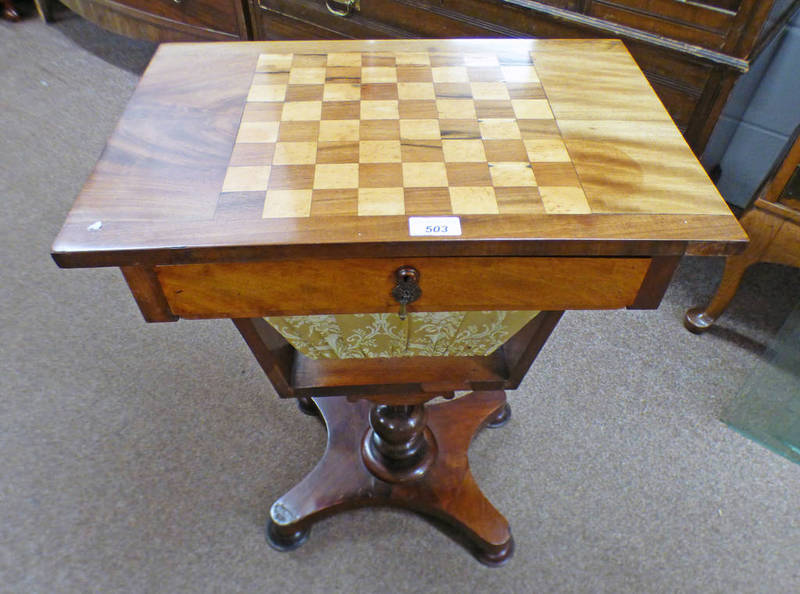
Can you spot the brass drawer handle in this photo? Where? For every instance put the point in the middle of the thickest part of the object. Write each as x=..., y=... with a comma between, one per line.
x=349, y=7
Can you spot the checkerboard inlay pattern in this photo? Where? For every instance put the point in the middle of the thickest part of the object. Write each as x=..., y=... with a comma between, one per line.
x=374, y=134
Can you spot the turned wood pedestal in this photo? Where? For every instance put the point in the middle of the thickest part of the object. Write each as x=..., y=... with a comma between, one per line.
x=408, y=456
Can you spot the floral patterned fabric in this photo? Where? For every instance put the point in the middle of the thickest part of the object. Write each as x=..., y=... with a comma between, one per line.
x=421, y=334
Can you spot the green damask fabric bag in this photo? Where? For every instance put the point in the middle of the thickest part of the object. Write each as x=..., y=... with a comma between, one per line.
x=420, y=334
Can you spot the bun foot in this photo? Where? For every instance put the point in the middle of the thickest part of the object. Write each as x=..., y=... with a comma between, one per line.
x=697, y=320
x=281, y=539
x=498, y=556
x=10, y=13
x=500, y=418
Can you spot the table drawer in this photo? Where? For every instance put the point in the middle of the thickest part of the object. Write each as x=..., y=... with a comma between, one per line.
x=219, y=15
x=293, y=287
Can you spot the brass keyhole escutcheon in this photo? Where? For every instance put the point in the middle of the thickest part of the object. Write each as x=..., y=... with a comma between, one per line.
x=406, y=289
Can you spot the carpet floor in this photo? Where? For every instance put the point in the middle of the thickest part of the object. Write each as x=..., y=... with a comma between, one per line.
x=144, y=458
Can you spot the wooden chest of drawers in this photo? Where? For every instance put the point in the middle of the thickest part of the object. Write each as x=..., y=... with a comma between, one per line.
x=691, y=52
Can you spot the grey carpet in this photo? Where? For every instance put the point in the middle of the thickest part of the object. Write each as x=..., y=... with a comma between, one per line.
x=143, y=458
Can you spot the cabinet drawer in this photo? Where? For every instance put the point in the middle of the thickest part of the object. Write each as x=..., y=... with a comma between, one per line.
x=219, y=15
x=294, y=287
x=688, y=22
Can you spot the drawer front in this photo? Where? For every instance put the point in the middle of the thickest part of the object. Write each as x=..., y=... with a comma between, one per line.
x=219, y=15
x=688, y=22
x=297, y=287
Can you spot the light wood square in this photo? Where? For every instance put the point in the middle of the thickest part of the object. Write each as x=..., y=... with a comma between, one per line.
x=460, y=151
x=422, y=175
x=456, y=109
x=546, y=150
x=381, y=59
x=499, y=129
x=378, y=74
x=485, y=74
x=307, y=76
x=473, y=200
x=258, y=132
x=379, y=151
x=519, y=74
x=267, y=93
x=379, y=110
x=380, y=202
x=271, y=78
x=273, y=62
x=315, y=60
x=330, y=130
x=413, y=59
x=246, y=179
x=512, y=174
x=344, y=59
x=481, y=60
x=262, y=112
x=439, y=59
x=489, y=90
x=342, y=175
x=419, y=129
x=302, y=110
x=532, y=109
x=287, y=204
x=421, y=90
x=295, y=153
x=341, y=92
x=444, y=74
x=251, y=153
x=564, y=200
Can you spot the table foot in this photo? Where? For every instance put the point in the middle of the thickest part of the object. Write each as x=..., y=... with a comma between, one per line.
x=444, y=491
x=502, y=417
x=281, y=539
x=307, y=406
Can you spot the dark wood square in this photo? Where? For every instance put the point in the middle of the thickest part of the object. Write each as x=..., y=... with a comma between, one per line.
x=380, y=175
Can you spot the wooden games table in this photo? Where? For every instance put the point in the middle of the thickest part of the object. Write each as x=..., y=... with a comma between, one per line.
x=292, y=178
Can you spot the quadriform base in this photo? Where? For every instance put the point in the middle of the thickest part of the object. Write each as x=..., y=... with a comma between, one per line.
x=445, y=491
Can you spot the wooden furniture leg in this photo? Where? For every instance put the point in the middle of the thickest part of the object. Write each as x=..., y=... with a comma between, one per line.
x=10, y=13
x=408, y=456
x=762, y=227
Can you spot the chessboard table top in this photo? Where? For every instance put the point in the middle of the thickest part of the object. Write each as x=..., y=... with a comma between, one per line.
x=259, y=150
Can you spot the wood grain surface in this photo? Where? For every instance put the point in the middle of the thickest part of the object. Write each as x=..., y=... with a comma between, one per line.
x=295, y=287
x=155, y=196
